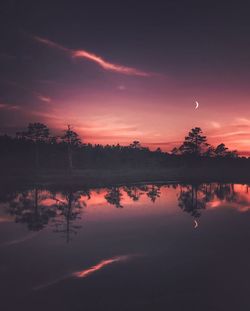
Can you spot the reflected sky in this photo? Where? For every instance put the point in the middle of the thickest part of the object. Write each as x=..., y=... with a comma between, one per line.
x=41, y=207
x=86, y=272
x=61, y=249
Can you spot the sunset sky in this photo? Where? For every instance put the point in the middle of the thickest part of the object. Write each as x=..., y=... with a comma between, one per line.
x=119, y=72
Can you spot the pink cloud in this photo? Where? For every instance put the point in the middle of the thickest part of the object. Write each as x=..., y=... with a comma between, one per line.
x=43, y=98
x=93, y=58
x=109, y=66
x=9, y=107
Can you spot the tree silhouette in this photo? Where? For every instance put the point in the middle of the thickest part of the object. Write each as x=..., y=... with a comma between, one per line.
x=195, y=143
x=222, y=151
x=176, y=151
x=135, y=144
x=67, y=152
x=37, y=133
x=210, y=152
x=72, y=140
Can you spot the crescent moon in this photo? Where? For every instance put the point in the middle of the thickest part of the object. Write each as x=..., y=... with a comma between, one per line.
x=197, y=105
x=196, y=224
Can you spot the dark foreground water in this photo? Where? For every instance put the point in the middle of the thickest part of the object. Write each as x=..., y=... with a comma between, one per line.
x=147, y=247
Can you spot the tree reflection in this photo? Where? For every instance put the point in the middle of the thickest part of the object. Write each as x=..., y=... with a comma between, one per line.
x=27, y=209
x=69, y=208
x=114, y=196
x=154, y=192
x=226, y=192
x=135, y=192
x=37, y=208
x=192, y=200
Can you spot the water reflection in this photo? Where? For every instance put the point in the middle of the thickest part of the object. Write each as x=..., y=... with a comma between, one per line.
x=20, y=240
x=69, y=206
x=192, y=199
x=99, y=266
x=36, y=208
x=86, y=272
x=191, y=238
x=30, y=207
x=114, y=196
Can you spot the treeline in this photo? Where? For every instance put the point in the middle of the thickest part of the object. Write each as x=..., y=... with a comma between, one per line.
x=37, y=148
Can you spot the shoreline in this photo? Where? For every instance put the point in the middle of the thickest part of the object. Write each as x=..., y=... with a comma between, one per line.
x=98, y=178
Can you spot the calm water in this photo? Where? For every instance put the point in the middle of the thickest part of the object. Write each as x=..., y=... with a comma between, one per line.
x=147, y=247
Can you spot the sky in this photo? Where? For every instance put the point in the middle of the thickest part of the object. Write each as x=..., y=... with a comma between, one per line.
x=122, y=71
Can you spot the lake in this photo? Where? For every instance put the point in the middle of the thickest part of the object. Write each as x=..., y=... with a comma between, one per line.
x=136, y=247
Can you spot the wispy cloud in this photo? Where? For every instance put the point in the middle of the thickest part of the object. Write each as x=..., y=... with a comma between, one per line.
x=93, y=58
x=242, y=121
x=235, y=134
x=36, y=94
x=52, y=115
x=6, y=57
x=215, y=124
x=121, y=87
x=4, y=106
x=109, y=66
x=43, y=98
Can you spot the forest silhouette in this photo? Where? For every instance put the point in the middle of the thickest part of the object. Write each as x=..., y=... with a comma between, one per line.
x=36, y=148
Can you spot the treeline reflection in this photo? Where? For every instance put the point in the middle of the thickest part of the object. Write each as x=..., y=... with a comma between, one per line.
x=36, y=208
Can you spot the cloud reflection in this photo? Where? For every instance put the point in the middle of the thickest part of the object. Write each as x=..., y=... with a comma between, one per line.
x=86, y=272
x=99, y=266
